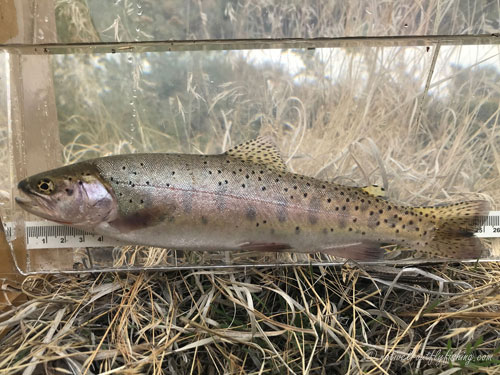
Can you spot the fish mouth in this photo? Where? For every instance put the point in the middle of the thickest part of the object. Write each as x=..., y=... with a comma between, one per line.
x=27, y=201
x=23, y=201
x=27, y=196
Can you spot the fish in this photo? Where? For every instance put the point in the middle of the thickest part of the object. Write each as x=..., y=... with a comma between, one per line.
x=243, y=199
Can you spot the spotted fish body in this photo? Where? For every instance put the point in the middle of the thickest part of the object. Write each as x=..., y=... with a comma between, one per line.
x=246, y=199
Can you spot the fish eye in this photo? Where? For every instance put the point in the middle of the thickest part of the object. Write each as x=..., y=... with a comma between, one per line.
x=45, y=186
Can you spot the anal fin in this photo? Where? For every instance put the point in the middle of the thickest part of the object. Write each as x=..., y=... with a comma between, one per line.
x=365, y=251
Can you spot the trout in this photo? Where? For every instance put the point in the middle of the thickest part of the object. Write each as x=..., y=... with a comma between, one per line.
x=243, y=199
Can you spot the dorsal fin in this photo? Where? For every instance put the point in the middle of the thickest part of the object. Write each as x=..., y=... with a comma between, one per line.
x=260, y=150
x=375, y=190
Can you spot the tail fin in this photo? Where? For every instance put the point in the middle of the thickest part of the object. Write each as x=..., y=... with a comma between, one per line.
x=455, y=225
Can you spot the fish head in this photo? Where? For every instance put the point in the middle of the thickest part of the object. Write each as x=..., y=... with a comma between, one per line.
x=74, y=195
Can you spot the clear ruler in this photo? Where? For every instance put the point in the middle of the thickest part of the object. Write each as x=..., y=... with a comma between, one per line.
x=491, y=225
x=45, y=234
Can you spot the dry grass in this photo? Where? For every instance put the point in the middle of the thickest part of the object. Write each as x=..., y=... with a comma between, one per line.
x=371, y=123
x=319, y=320
x=4, y=149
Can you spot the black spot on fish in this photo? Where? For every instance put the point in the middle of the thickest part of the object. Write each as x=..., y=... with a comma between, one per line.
x=69, y=192
x=204, y=220
x=251, y=213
